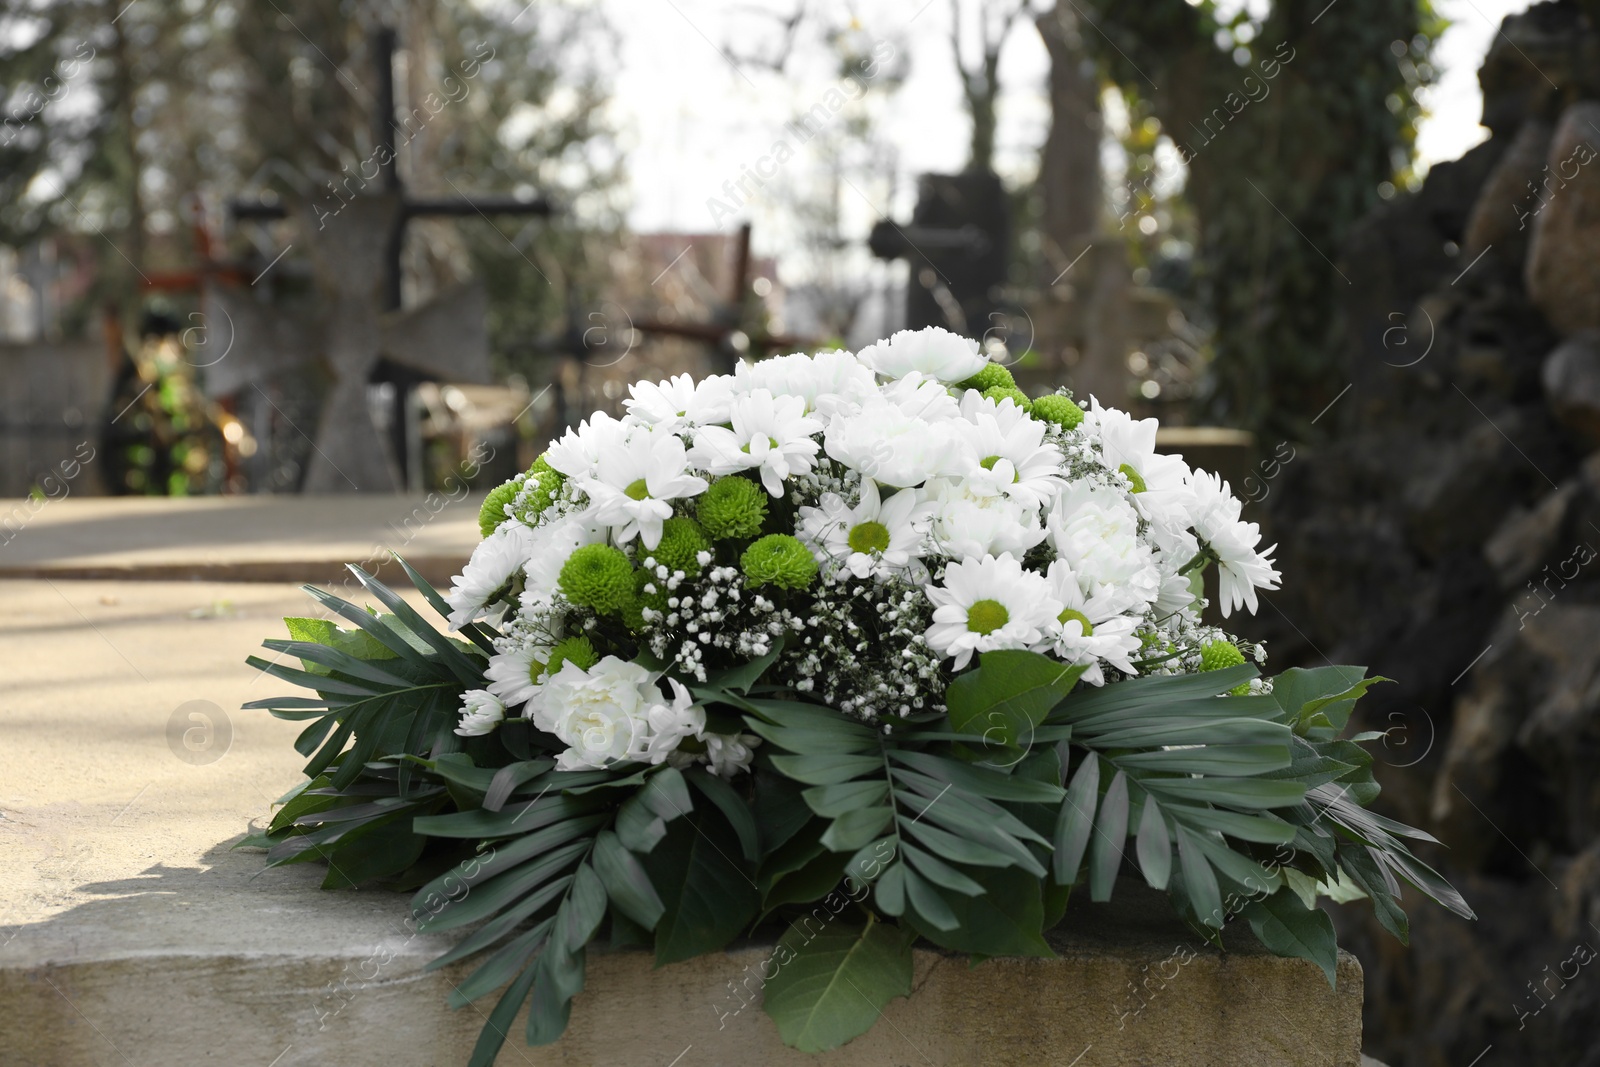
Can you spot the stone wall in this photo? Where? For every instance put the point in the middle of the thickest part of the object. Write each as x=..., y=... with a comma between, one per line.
x=1446, y=532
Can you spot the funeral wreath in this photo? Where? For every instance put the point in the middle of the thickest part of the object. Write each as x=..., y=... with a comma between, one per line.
x=851, y=649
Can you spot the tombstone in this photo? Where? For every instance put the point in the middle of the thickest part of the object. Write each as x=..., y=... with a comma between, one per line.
x=956, y=243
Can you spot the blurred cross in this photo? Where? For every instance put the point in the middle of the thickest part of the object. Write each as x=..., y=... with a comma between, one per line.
x=364, y=337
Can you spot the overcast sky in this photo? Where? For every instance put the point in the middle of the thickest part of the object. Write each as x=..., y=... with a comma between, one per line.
x=692, y=119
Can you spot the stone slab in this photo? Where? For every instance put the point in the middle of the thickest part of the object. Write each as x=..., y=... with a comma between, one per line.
x=237, y=539
x=131, y=935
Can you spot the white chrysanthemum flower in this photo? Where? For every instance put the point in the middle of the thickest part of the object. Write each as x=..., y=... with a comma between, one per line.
x=634, y=481
x=1127, y=445
x=885, y=444
x=1009, y=455
x=1089, y=629
x=1241, y=569
x=922, y=397
x=481, y=712
x=578, y=451
x=969, y=523
x=988, y=604
x=875, y=538
x=831, y=383
x=1096, y=531
x=730, y=754
x=601, y=714
x=496, y=559
x=552, y=546
x=515, y=674
x=770, y=434
x=664, y=405
x=937, y=353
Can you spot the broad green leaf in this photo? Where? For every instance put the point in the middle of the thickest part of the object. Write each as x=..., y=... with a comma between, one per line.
x=1289, y=928
x=1008, y=695
x=708, y=893
x=832, y=801
x=1006, y=920
x=1252, y=794
x=1200, y=882
x=733, y=808
x=832, y=985
x=856, y=828
x=826, y=770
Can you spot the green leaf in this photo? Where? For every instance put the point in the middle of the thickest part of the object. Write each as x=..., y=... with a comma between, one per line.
x=1289, y=928
x=1075, y=822
x=1009, y=694
x=826, y=770
x=832, y=801
x=708, y=895
x=856, y=828
x=733, y=807
x=1007, y=919
x=626, y=882
x=1249, y=793
x=1199, y=880
x=831, y=986
x=1155, y=846
x=1110, y=834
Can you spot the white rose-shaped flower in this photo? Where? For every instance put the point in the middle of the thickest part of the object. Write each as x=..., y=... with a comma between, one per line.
x=937, y=353
x=601, y=714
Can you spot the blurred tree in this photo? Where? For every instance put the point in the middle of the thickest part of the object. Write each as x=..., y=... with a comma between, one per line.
x=980, y=79
x=1292, y=126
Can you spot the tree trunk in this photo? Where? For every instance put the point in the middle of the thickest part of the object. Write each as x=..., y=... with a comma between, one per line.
x=1069, y=166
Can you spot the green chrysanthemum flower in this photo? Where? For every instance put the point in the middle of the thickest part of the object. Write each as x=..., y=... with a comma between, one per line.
x=992, y=376
x=682, y=540
x=732, y=507
x=1000, y=392
x=1219, y=655
x=599, y=577
x=1061, y=410
x=572, y=650
x=780, y=560
x=493, y=512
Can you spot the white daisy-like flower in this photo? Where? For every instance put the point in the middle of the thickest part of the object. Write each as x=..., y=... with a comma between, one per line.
x=578, y=451
x=937, y=353
x=1128, y=446
x=1009, y=454
x=635, y=480
x=1241, y=569
x=515, y=674
x=875, y=538
x=496, y=559
x=730, y=754
x=831, y=383
x=1096, y=531
x=969, y=522
x=770, y=434
x=481, y=712
x=885, y=444
x=1088, y=629
x=988, y=604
